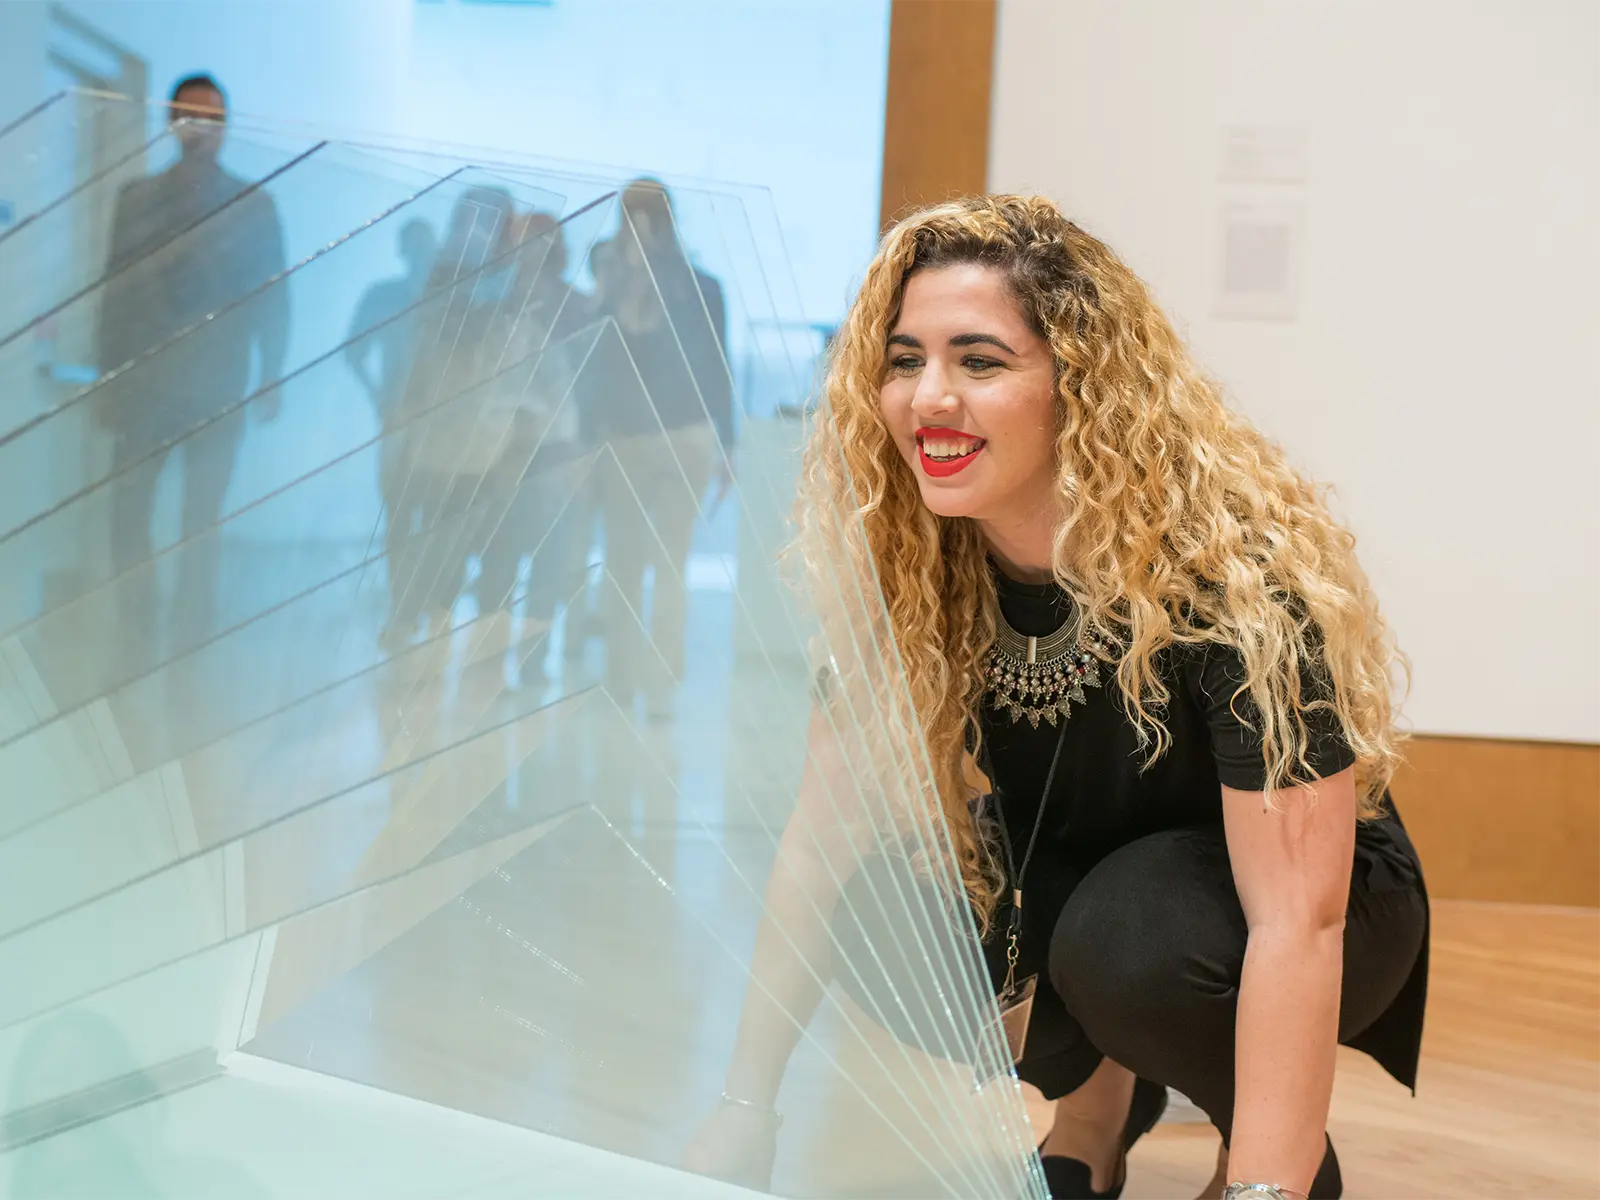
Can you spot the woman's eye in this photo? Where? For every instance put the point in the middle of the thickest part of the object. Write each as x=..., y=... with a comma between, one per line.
x=904, y=364
x=978, y=364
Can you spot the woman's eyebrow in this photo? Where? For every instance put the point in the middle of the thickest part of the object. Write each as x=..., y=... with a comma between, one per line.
x=980, y=339
x=959, y=340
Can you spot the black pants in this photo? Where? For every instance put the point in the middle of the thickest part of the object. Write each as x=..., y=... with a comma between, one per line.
x=436, y=521
x=209, y=456
x=1139, y=958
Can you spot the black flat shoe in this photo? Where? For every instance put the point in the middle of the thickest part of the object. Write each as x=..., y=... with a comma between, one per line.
x=1149, y=1102
x=1069, y=1179
x=1329, y=1183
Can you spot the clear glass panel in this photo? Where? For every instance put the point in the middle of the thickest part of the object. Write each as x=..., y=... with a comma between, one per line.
x=201, y=246
x=138, y=215
x=461, y=772
x=185, y=737
x=63, y=144
x=197, y=398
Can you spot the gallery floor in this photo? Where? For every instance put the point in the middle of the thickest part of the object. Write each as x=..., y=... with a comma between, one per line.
x=1508, y=1103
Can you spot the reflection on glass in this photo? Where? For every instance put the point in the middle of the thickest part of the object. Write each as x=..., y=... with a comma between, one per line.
x=408, y=722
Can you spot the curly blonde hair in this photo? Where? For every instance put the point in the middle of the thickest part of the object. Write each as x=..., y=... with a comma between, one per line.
x=1183, y=524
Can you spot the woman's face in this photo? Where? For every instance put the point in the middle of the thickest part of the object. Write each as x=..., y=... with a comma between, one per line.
x=969, y=396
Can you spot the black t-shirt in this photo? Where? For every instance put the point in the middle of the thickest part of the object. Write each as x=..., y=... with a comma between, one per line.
x=1108, y=793
x=679, y=356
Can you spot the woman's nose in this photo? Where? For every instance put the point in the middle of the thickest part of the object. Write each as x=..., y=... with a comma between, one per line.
x=934, y=394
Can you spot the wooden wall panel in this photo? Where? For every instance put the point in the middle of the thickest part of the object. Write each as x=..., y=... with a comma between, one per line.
x=1504, y=820
x=936, y=121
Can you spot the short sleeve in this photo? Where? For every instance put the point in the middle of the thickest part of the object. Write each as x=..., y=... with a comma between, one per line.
x=1231, y=717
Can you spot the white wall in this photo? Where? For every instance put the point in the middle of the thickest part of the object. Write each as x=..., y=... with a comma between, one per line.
x=1441, y=369
x=22, y=57
x=785, y=94
x=339, y=62
x=22, y=35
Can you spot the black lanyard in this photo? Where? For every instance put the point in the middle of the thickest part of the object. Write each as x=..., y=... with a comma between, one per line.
x=1014, y=874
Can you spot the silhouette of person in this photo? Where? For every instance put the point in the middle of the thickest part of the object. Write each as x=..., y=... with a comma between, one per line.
x=380, y=329
x=453, y=415
x=186, y=243
x=538, y=467
x=672, y=318
x=381, y=348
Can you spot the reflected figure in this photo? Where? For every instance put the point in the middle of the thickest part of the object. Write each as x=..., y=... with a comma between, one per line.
x=475, y=408
x=231, y=244
x=382, y=345
x=537, y=465
x=390, y=340
x=441, y=456
x=673, y=319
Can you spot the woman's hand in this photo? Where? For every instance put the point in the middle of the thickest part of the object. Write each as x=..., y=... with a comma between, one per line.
x=734, y=1144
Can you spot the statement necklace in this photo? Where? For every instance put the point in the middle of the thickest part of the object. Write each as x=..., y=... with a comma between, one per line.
x=1042, y=677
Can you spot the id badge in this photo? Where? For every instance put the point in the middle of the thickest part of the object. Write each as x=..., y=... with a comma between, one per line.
x=1016, y=1011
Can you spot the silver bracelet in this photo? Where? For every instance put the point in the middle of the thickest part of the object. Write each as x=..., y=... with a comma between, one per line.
x=770, y=1114
x=1260, y=1191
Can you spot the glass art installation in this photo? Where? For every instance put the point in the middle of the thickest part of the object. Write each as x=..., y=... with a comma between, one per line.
x=407, y=698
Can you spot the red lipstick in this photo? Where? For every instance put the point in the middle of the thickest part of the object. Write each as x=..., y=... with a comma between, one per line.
x=966, y=449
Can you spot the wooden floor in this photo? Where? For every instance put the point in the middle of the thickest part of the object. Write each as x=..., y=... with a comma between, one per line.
x=1508, y=1103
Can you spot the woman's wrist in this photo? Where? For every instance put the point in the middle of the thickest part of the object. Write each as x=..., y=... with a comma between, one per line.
x=764, y=1112
x=752, y=1085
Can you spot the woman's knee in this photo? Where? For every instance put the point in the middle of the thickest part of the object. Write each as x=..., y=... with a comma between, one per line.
x=907, y=961
x=1152, y=941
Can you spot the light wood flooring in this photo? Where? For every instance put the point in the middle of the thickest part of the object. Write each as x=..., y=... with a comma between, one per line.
x=1508, y=1103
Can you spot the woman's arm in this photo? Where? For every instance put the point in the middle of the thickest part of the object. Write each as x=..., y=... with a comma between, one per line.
x=819, y=851
x=1292, y=867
